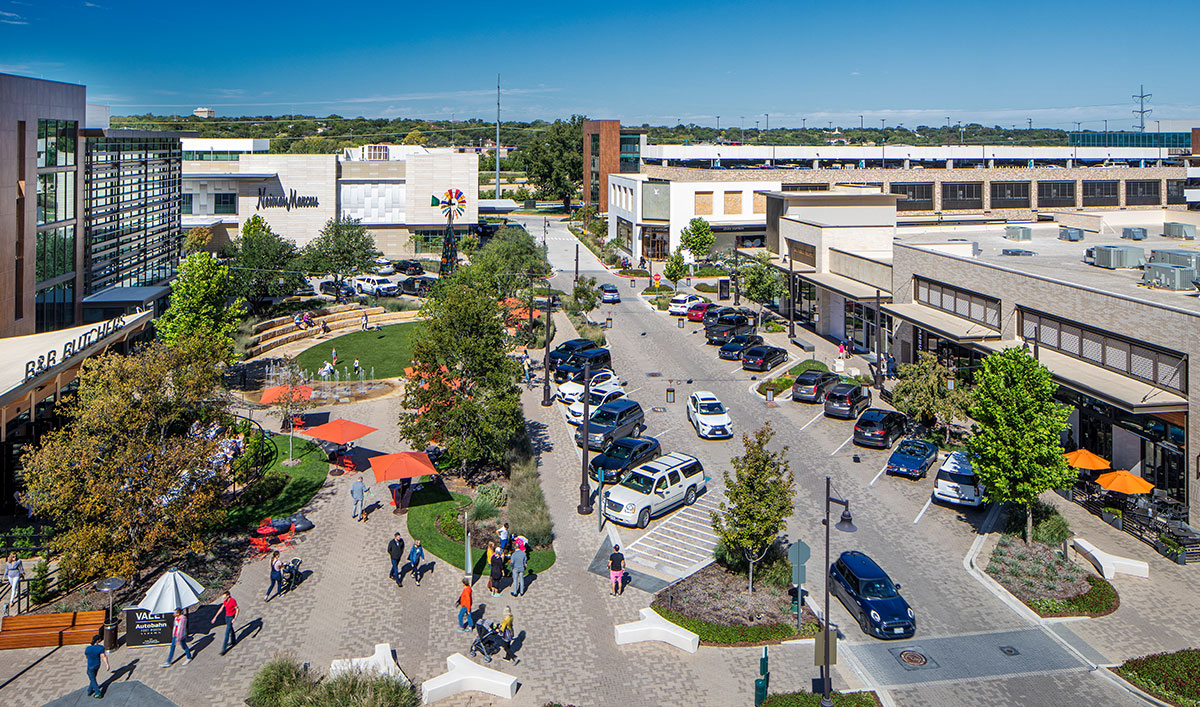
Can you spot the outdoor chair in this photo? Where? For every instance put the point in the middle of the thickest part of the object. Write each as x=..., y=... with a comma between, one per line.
x=260, y=546
x=297, y=422
x=285, y=539
x=348, y=465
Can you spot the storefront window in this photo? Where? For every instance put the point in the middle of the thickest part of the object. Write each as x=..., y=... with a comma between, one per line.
x=860, y=327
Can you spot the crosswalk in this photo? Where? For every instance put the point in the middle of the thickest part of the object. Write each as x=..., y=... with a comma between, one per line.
x=680, y=542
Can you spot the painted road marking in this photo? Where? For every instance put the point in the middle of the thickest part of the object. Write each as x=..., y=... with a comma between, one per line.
x=843, y=444
x=923, y=509
x=818, y=417
x=877, y=477
x=735, y=370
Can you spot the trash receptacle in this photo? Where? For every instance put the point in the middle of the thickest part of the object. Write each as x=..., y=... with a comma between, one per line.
x=723, y=288
x=110, y=635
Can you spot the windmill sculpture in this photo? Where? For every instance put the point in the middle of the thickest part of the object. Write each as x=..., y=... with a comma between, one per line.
x=453, y=204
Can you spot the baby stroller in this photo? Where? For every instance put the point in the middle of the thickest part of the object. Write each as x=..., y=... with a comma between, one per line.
x=291, y=575
x=487, y=641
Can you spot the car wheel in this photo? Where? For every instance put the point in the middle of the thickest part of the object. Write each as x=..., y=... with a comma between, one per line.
x=690, y=497
x=864, y=624
x=643, y=518
x=358, y=289
x=890, y=441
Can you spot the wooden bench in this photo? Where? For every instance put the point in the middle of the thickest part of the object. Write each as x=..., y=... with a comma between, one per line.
x=653, y=627
x=47, y=630
x=1108, y=564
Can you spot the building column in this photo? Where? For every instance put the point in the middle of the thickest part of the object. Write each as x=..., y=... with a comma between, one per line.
x=816, y=164
x=950, y=164
x=907, y=163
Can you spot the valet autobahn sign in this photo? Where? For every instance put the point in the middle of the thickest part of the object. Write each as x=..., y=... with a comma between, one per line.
x=288, y=200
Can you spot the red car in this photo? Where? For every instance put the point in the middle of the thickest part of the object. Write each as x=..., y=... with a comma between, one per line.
x=696, y=312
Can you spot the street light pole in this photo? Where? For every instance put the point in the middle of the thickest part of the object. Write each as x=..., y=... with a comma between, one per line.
x=585, y=491
x=791, y=297
x=847, y=526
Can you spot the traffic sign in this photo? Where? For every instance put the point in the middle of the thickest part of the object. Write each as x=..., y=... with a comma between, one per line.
x=657, y=277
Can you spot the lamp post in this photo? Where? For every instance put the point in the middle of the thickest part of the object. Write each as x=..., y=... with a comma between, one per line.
x=846, y=525
x=791, y=298
x=585, y=491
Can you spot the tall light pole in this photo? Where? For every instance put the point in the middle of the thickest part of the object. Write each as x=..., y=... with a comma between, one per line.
x=860, y=122
x=846, y=525
x=804, y=123
x=585, y=491
x=791, y=295
x=743, y=128
x=767, y=116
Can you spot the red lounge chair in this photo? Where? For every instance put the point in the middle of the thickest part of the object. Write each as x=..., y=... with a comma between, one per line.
x=260, y=546
x=285, y=539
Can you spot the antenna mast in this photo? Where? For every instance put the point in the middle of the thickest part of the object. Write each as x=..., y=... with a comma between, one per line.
x=1142, y=111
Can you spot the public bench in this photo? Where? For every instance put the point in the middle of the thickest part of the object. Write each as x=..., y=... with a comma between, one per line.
x=1107, y=564
x=653, y=627
x=462, y=675
x=382, y=662
x=47, y=630
x=802, y=344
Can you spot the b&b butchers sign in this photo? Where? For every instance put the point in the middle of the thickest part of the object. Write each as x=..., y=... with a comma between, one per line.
x=287, y=201
x=58, y=355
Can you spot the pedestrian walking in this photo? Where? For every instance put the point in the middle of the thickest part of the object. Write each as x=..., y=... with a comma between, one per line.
x=333, y=355
x=464, y=607
x=228, y=612
x=276, y=576
x=891, y=367
x=362, y=323
x=502, y=531
x=356, y=366
x=358, y=491
x=519, y=561
x=96, y=655
x=14, y=572
x=841, y=350
x=616, y=571
x=395, y=550
x=179, y=637
x=508, y=635
x=527, y=368
x=415, y=557
x=496, y=571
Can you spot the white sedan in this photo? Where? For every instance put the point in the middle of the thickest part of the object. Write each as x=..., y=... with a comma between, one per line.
x=600, y=396
x=708, y=416
x=680, y=304
x=571, y=391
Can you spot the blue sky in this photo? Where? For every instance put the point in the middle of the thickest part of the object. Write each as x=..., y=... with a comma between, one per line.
x=907, y=63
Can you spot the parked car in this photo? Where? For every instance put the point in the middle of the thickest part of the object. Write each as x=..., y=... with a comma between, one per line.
x=847, y=400
x=763, y=358
x=598, y=397
x=812, y=386
x=386, y=269
x=880, y=428
x=732, y=350
x=725, y=328
x=612, y=421
x=913, y=458
x=871, y=597
x=418, y=286
x=708, y=416
x=713, y=313
x=596, y=358
x=567, y=349
x=696, y=312
x=409, y=267
x=331, y=288
x=305, y=290
x=623, y=455
x=609, y=294
x=570, y=390
x=655, y=487
x=957, y=483
x=680, y=303
x=373, y=285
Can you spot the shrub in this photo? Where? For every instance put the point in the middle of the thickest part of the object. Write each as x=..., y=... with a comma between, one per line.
x=710, y=271
x=657, y=289
x=495, y=493
x=22, y=540
x=39, y=586
x=611, y=259
x=284, y=682
x=527, y=512
x=780, y=385
x=1100, y=599
x=274, y=681
x=265, y=488
x=482, y=508
x=719, y=633
x=634, y=272
x=813, y=699
x=706, y=287
x=809, y=365
x=450, y=526
x=773, y=327
x=1049, y=527
x=1171, y=676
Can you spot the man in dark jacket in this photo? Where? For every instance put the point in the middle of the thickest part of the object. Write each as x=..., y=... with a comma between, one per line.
x=396, y=553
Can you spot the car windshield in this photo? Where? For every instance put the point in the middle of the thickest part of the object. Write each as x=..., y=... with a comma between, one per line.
x=713, y=407
x=604, y=417
x=878, y=588
x=384, y=281
x=619, y=451
x=598, y=397
x=639, y=482
x=965, y=479
x=739, y=340
x=915, y=449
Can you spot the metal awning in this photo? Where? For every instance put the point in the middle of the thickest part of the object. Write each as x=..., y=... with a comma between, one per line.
x=844, y=286
x=245, y=176
x=941, y=323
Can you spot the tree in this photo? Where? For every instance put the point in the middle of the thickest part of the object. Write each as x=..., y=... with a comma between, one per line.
x=510, y=256
x=1015, y=449
x=585, y=296
x=197, y=239
x=264, y=264
x=200, y=305
x=758, y=499
x=923, y=393
x=761, y=282
x=414, y=137
x=554, y=160
x=293, y=401
x=122, y=481
x=344, y=247
x=675, y=269
x=698, y=238
x=462, y=392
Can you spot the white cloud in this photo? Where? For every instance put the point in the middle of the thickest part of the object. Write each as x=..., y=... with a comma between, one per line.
x=12, y=18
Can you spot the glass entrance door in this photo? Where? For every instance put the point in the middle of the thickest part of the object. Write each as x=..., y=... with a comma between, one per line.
x=1095, y=433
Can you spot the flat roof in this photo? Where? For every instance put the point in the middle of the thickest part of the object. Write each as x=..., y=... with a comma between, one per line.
x=246, y=176
x=127, y=295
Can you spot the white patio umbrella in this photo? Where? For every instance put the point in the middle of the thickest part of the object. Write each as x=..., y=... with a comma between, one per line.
x=174, y=590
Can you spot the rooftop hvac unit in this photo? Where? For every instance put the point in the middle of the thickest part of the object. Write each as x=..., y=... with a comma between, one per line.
x=1174, y=229
x=1176, y=256
x=1070, y=234
x=1018, y=233
x=1117, y=256
x=1133, y=234
x=1169, y=277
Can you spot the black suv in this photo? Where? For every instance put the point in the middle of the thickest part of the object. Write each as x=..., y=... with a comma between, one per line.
x=623, y=455
x=596, y=358
x=732, y=351
x=813, y=386
x=409, y=267
x=417, y=286
x=870, y=596
x=712, y=314
x=567, y=349
x=612, y=421
x=880, y=428
x=763, y=358
x=329, y=287
x=847, y=400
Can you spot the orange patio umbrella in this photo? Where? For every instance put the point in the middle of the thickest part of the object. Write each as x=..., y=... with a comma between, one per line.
x=1124, y=482
x=401, y=465
x=286, y=392
x=340, y=431
x=1083, y=459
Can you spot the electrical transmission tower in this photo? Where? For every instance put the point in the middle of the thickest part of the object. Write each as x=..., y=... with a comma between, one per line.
x=1142, y=111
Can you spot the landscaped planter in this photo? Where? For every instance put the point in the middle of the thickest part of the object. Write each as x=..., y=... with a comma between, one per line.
x=1114, y=520
x=1175, y=554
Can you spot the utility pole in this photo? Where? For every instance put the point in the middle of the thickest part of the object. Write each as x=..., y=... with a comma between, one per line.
x=1142, y=110
x=585, y=491
x=860, y=123
x=497, y=136
x=743, y=129
x=576, y=264
x=768, y=117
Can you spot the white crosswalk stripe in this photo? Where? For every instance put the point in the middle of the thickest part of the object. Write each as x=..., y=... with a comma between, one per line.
x=680, y=541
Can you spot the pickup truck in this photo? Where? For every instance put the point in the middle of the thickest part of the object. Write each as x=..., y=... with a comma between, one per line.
x=727, y=327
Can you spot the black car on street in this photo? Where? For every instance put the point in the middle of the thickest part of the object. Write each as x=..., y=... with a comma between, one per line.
x=567, y=349
x=870, y=596
x=409, y=267
x=763, y=358
x=732, y=351
x=623, y=455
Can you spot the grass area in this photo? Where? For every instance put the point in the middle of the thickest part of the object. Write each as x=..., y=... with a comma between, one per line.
x=304, y=480
x=1171, y=677
x=809, y=699
x=285, y=681
x=658, y=290
x=585, y=330
x=432, y=501
x=710, y=271
x=724, y=633
x=784, y=383
x=388, y=351
x=635, y=272
x=707, y=288
x=1049, y=585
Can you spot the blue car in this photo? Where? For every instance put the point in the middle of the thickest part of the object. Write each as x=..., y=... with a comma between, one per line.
x=870, y=596
x=913, y=458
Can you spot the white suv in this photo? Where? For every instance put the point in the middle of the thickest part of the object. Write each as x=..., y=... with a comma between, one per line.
x=680, y=304
x=372, y=285
x=708, y=416
x=571, y=391
x=654, y=487
x=600, y=395
x=957, y=483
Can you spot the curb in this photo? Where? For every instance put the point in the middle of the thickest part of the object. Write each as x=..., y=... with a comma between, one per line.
x=1112, y=676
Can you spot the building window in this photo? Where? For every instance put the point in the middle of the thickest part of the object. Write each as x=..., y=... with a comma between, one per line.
x=630, y=154
x=186, y=203
x=224, y=203
x=1143, y=192
x=1055, y=194
x=1010, y=195
x=962, y=195
x=1175, y=191
x=916, y=196
x=703, y=203
x=55, y=197
x=595, y=144
x=56, y=143
x=55, y=253
x=733, y=203
x=1100, y=193
x=55, y=307
x=859, y=327
x=805, y=253
x=1162, y=369
x=961, y=303
x=760, y=203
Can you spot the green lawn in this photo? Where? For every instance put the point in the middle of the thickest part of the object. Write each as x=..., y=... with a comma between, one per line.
x=306, y=479
x=430, y=502
x=388, y=351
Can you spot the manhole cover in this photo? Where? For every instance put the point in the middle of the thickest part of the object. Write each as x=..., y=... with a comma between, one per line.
x=656, y=409
x=913, y=658
x=654, y=374
x=1009, y=651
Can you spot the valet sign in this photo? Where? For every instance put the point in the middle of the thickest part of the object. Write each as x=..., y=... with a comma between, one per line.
x=143, y=628
x=71, y=347
x=289, y=200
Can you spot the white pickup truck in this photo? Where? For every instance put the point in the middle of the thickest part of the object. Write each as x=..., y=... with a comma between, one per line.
x=373, y=285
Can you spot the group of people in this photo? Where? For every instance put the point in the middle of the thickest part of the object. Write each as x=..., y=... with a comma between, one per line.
x=327, y=369
x=513, y=552
x=505, y=630
x=416, y=556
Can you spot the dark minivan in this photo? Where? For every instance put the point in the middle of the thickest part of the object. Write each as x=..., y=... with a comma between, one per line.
x=847, y=400
x=880, y=428
x=596, y=358
x=813, y=386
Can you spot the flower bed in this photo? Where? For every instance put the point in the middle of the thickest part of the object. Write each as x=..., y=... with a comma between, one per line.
x=1049, y=585
x=1171, y=677
x=810, y=699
